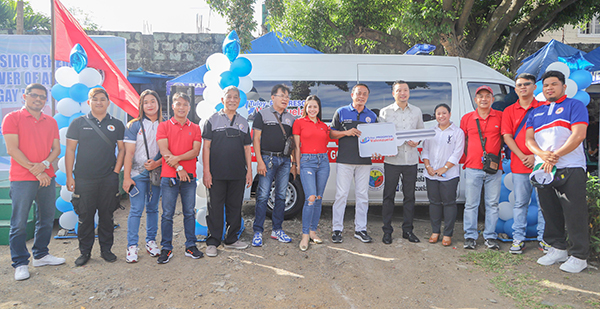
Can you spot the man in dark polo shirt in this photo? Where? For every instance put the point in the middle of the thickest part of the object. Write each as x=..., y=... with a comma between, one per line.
x=227, y=161
x=96, y=183
x=179, y=141
x=269, y=142
x=350, y=165
x=32, y=142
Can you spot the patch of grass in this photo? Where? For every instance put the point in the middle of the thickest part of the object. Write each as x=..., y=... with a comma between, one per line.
x=522, y=288
x=594, y=303
x=493, y=260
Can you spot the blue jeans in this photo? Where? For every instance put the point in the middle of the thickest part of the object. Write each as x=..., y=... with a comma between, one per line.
x=522, y=189
x=475, y=179
x=23, y=193
x=147, y=198
x=170, y=188
x=280, y=172
x=314, y=171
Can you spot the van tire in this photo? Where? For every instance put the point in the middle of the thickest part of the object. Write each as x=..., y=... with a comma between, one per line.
x=294, y=199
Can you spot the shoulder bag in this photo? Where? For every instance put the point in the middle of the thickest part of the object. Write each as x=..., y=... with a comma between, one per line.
x=155, y=173
x=290, y=144
x=490, y=161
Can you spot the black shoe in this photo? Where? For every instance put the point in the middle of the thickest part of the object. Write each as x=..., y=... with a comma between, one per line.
x=470, y=244
x=165, y=256
x=337, y=237
x=193, y=252
x=108, y=256
x=410, y=236
x=387, y=238
x=492, y=244
x=82, y=259
x=363, y=236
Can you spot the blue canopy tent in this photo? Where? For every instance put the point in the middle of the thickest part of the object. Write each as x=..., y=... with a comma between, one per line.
x=266, y=44
x=594, y=58
x=537, y=63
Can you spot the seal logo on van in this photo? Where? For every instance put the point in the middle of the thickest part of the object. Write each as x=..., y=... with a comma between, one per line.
x=376, y=179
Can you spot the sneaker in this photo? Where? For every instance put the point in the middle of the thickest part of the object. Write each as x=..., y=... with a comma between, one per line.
x=517, y=247
x=48, y=260
x=152, y=248
x=281, y=236
x=82, y=259
x=470, y=243
x=544, y=246
x=363, y=236
x=553, y=256
x=193, y=252
x=22, y=272
x=238, y=245
x=492, y=244
x=337, y=237
x=211, y=251
x=573, y=265
x=257, y=240
x=108, y=256
x=165, y=256
x=132, y=254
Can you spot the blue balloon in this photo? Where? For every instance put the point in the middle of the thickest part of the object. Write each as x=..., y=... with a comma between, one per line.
x=539, y=88
x=534, y=200
x=63, y=206
x=508, y=227
x=63, y=150
x=61, y=178
x=231, y=46
x=201, y=229
x=79, y=92
x=582, y=96
x=78, y=58
x=75, y=116
x=576, y=62
x=229, y=78
x=97, y=86
x=219, y=107
x=531, y=231
x=532, y=215
x=504, y=192
x=59, y=92
x=241, y=66
x=61, y=120
x=506, y=166
x=582, y=78
x=243, y=99
x=500, y=226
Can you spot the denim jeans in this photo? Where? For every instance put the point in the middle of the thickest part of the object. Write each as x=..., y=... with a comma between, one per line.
x=280, y=172
x=170, y=188
x=147, y=198
x=314, y=171
x=522, y=189
x=23, y=193
x=475, y=179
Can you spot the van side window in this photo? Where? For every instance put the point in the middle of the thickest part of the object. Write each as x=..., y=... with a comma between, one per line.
x=504, y=95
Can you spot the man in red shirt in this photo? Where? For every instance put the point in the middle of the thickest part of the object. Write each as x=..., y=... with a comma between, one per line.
x=489, y=121
x=179, y=141
x=514, y=118
x=32, y=142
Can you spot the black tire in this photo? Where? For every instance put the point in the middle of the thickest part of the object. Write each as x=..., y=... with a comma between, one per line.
x=294, y=199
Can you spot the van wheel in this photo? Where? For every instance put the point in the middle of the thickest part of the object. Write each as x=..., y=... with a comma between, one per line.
x=294, y=199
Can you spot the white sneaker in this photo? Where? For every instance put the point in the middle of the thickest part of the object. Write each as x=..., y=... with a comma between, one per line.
x=553, y=256
x=48, y=260
x=152, y=248
x=132, y=254
x=22, y=272
x=573, y=265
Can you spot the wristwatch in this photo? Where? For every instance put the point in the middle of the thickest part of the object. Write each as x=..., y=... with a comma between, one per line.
x=46, y=164
x=446, y=166
x=179, y=168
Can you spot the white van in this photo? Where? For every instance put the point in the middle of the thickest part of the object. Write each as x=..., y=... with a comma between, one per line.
x=432, y=80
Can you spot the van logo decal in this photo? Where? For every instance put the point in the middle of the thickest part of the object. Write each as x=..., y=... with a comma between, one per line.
x=376, y=179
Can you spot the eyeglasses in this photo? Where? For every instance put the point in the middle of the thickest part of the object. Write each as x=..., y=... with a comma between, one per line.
x=527, y=84
x=283, y=96
x=40, y=96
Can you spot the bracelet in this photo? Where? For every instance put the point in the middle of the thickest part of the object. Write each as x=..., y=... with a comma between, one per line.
x=446, y=166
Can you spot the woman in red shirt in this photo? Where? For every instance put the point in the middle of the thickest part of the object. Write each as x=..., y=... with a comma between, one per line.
x=311, y=135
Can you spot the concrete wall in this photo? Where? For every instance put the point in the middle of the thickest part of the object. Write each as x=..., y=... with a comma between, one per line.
x=571, y=36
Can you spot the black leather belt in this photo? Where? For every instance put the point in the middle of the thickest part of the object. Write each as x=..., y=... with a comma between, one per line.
x=272, y=154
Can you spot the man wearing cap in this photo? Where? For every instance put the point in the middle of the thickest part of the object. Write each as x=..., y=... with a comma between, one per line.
x=489, y=121
x=555, y=132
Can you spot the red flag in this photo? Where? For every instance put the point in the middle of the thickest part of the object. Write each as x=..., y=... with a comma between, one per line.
x=67, y=33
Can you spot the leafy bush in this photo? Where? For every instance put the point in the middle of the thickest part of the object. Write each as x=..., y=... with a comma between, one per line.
x=593, y=202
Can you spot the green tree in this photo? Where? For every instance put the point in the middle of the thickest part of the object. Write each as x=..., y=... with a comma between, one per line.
x=31, y=19
x=84, y=19
x=239, y=15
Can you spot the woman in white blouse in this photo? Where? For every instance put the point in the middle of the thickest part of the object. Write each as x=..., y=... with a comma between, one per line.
x=441, y=155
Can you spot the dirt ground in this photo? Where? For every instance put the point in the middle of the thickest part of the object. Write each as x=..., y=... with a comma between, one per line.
x=347, y=275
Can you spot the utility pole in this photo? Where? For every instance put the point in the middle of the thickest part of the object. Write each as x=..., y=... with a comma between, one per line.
x=20, y=17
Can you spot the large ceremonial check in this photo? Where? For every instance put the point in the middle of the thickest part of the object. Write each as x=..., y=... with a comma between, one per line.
x=382, y=138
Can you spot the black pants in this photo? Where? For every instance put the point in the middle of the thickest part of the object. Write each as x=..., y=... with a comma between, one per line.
x=393, y=174
x=101, y=195
x=442, y=201
x=228, y=193
x=564, y=202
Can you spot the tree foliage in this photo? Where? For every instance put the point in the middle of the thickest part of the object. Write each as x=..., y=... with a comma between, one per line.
x=239, y=15
x=31, y=19
x=84, y=19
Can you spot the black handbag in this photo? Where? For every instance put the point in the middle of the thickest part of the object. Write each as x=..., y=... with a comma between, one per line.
x=290, y=143
x=491, y=162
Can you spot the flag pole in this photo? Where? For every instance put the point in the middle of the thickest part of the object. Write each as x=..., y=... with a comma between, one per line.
x=52, y=54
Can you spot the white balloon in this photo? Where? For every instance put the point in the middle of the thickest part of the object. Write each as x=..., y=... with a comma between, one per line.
x=68, y=220
x=505, y=211
x=200, y=188
x=243, y=111
x=85, y=108
x=61, y=165
x=246, y=84
x=65, y=194
x=204, y=110
x=508, y=182
x=201, y=213
x=540, y=97
x=571, y=88
x=68, y=107
x=218, y=63
x=511, y=198
x=62, y=134
x=211, y=79
x=212, y=95
x=66, y=76
x=90, y=77
x=561, y=67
